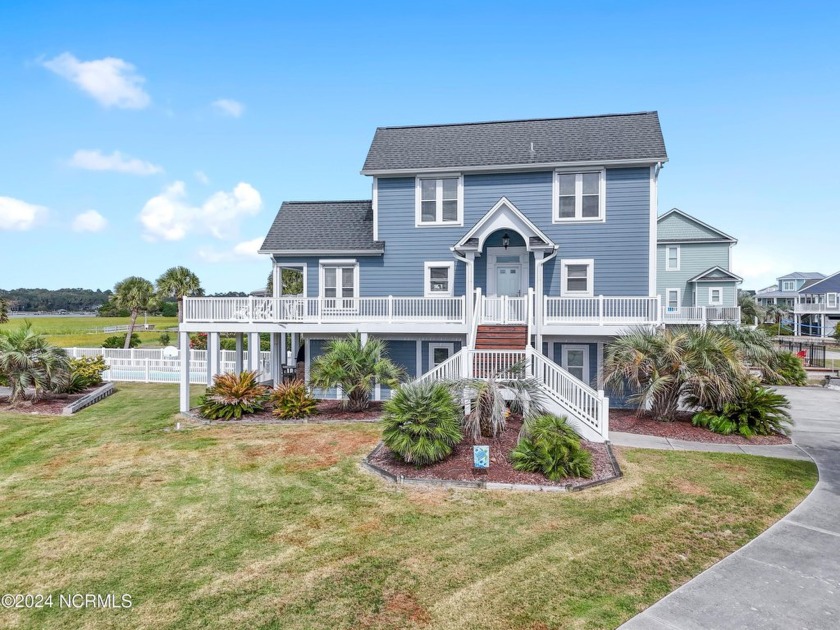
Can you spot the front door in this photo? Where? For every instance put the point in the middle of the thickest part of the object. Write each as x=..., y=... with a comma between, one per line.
x=508, y=280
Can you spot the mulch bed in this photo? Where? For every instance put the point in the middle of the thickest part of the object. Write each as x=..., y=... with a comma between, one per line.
x=459, y=465
x=329, y=411
x=51, y=405
x=626, y=421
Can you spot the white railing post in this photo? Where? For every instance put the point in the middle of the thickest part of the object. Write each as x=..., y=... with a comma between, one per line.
x=390, y=309
x=605, y=415
x=600, y=310
x=251, y=309
x=147, y=370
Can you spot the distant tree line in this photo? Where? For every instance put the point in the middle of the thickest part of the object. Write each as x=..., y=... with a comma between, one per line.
x=54, y=300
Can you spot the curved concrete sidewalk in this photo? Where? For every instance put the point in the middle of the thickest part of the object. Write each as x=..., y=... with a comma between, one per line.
x=783, y=451
x=788, y=577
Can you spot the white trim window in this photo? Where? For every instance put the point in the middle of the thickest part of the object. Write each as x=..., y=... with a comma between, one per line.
x=439, y=200
x=715, y=296
x=831, y=300
x=672, y=300
x=672, y=258
x=575, y=360
x=339, y=283
x=579, y=196
x=788, y=285
x=440, y=352
x=576, y=277
x=439, y=279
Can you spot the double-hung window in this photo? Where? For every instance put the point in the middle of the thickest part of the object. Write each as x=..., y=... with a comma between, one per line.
x=339, y=284
x=788, y=285
x=579, y=196
x=438, y=279
x=576, y=277
x=715, y=296
x=672, y=298
x=439, y=200
x=672, y=258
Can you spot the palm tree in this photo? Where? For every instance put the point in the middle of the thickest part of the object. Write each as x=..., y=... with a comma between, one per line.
x=750, y=309
x=134, y=294
x=356, y=368
x=4, y=311
x=28, y=361
x=662, y=369
x=178, y=283
x=775, y=313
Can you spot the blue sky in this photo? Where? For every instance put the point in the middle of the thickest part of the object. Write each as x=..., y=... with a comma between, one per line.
x=137, y=136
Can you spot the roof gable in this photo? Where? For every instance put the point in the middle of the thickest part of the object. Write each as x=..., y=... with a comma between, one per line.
x=504, y=216
x=716, y=274
x=598, y=139
x=302, y=227
x=831, y=284
x=676, y=226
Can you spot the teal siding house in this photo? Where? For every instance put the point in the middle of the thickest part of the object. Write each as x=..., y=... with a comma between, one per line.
x=693, y=277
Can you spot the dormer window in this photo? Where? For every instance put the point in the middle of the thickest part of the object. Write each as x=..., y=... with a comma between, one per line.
x=788, y=285
x=439, y=200
x=579, y=196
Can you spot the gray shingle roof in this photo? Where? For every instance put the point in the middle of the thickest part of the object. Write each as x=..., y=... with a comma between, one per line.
x=322, y=226
x=604, y=138
x=803, y=275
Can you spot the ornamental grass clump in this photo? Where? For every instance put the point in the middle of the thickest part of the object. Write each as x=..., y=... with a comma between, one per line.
x=232, y=396
x=292, y=400
x=551, y=447
x=421, y=423
x=757, y=411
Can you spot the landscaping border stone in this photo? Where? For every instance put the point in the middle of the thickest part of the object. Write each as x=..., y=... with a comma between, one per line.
x=401, y=480
x=100, y=393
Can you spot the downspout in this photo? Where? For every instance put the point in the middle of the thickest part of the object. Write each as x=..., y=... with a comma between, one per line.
x=540, y=281
x=468, y=299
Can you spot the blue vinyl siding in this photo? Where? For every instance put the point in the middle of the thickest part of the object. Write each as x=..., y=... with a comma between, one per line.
x=619, y=246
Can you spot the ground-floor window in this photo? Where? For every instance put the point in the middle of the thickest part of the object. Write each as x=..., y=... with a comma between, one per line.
x=575, y=360
x=440, y=352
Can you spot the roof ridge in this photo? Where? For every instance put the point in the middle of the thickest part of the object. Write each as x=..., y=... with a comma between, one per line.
x=332, y=201
x=521, y=120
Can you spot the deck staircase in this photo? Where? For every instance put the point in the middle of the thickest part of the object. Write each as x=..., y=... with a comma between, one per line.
x=501, y=337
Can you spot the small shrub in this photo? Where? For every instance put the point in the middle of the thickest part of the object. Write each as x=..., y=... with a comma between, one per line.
x=292, y=400
x=788, y=370
x=198, y=341
x=757, y=411
x=551, y=447
x=118, y=341
x=88, y=369
x=421, y=423
x=164, y=338
x=75, y=384
x=232, y=396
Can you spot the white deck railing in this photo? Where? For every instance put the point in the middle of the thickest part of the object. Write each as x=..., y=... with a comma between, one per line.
x=601, y=310
x=701, y=314
x=821, y=307
x=504, y=310
x=325, y=310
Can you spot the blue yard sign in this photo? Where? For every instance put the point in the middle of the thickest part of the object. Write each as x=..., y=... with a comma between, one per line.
x=481, y=456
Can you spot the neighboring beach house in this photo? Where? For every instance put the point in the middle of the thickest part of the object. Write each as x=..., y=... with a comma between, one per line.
x=817, y=308
x=693, y=276
x=482, y=242
x=785, y=292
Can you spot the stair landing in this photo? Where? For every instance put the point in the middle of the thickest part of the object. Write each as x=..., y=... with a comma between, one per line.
x=490, y=337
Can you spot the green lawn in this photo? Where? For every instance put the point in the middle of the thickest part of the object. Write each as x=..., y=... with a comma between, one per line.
x=81, y=332
x=277, y=527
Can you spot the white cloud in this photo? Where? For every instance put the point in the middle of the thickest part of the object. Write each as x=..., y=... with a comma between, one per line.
x=229, y=107
x=90, y=221
x=18, y=215
x=201, y=176
x=170, y=217
x=246, y=250
x=111, y=81
x=117, y=162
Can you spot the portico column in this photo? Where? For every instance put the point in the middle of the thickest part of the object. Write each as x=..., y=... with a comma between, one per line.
x=237, y=356
x=539, y=281
x=295, y=347
x=184, y=385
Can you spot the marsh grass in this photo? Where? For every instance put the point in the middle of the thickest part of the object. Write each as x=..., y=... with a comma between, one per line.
x=276, y=526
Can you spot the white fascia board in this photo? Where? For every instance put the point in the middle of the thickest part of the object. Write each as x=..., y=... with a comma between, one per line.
x=325, y=252
x=542, y=166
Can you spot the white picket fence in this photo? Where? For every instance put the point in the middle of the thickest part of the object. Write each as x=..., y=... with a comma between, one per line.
x=142, y=365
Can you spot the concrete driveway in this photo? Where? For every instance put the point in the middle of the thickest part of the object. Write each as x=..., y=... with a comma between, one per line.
x=789, y=577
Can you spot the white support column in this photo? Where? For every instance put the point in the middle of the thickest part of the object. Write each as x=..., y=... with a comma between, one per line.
x=238, y=352
x=254, y=352
x=282, y=356
x=277, y=281
x=184, y=385
x=364, y=337
x=539, y=289
x=295, y=347
x=278, y=352
x=469, y=288
x=213, y=365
